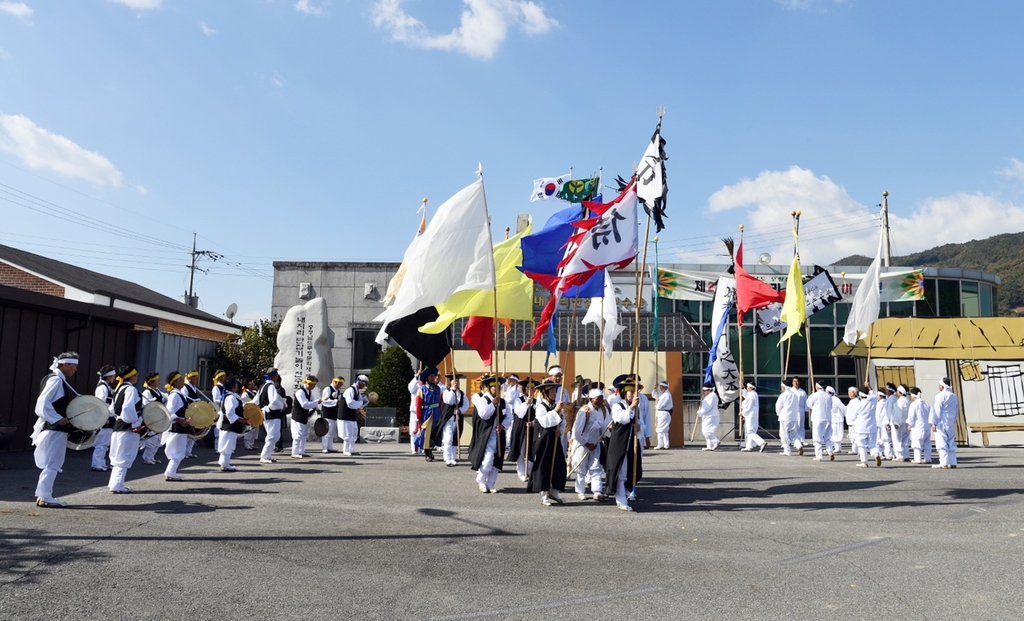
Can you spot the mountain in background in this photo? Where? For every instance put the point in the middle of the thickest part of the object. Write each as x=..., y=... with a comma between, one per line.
x=1002, y=255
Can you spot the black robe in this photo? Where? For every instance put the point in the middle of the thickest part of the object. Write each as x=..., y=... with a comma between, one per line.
x=519, y=430
x=622, y=445
x=482, y=431
x=549, y=470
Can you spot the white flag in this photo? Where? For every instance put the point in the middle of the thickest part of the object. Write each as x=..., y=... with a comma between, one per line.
x=723, y=367
x=612, y=240
x=605, y=308
x=866, y=302
x=547, y=188
x=453, y=254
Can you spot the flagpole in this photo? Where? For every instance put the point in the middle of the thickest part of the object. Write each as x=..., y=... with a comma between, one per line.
x=494, y=276
x=739, y=336
x=655, y=281
x=529, y=407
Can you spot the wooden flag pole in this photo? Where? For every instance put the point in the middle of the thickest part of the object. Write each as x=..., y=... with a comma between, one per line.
x=739, y=336
x=529, y=407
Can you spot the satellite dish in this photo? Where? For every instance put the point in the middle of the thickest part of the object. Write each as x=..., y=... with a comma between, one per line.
x=231, y=311
x=764, y=259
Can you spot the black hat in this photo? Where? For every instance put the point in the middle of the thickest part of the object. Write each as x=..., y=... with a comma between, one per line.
x=427, y=373
x=624, y=382
x=546, y=384
x=580, y=380
x=528, y=383
x=487, y=381
x=454, y=376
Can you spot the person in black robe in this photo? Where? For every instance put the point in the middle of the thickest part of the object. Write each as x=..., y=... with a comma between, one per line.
x=519, y=450
x=549, y=473
x=624, y=465
x=487, y=449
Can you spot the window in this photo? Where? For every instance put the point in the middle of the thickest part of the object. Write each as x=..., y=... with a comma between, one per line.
x=928, y=307
x=949, y=298
x=365, y=350
x=901, y=309
x=970, y=302
x=985, y=304
x=690, y=309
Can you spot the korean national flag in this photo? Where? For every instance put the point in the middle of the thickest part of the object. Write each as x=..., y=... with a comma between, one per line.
x=547, y=188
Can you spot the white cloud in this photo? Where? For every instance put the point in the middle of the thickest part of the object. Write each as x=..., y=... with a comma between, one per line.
x=206, y=29
x=18, y=9
x=140, y=5
x=307, y=7
x=833, y=225
x=141, y=189
x=1014, y=171
x=4, y=54
x=39, y=148
x=277, y=80
x=483, y=27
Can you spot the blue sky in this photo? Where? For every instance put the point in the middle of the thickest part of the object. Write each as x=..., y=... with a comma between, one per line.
x=312, y=129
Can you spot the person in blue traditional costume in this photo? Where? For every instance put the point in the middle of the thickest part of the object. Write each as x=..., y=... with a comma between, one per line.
x=428, y=412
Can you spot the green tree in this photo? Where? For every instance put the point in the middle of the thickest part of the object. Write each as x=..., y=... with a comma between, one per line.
x=250, y=353
x=390, y=380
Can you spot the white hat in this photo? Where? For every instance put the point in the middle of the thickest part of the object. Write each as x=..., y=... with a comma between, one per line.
x=363, y=379
x=555, y=370
x=595, y=393
x=830, y=390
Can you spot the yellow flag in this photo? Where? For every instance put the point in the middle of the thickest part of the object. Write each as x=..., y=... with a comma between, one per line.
x=514, y=290
x=794, y=309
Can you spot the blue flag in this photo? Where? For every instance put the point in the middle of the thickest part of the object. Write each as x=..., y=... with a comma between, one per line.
x=543, y=251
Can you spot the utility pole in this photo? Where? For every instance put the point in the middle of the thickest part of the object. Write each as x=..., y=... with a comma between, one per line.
x=885, y=228
x=190, y=297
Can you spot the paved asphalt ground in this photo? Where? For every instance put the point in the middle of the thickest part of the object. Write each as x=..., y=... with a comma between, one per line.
x=724, y=535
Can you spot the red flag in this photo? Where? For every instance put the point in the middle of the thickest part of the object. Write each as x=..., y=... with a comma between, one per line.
x=479, y=334
x=751, y=293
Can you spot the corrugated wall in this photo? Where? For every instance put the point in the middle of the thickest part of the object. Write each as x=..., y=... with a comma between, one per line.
x=29, y=338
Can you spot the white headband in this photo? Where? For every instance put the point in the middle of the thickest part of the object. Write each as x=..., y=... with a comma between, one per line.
x=556, y=370
x=109, y=373
x=943, y=382
x=830, y=390
x=60, y=361
x=595, y=393
x=901, y=390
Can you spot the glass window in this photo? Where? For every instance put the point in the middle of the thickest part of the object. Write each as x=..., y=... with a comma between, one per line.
x=795, y=362
x=690, y=309
x=365, y=350
x=692, y=384
x=824, y=317
x=995, y=302
x=664, y=306
x=846, y=365
x=706, y=309
x=949, y=298
x=822, y=342
x=985, y=301
x=928, y=307
x=970, y=300
x=901, y=309
x=691, y=364
x=769, y=354
x=749, y=334
x=842, y=313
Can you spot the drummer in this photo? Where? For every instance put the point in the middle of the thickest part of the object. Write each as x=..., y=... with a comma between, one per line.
x=50, y=436
x=124, y=444
x=176, y=438
x=151, y=393
x=218, y=392
x=191, y=393
x=302, y=409
x=330, y=404
x=249, y=396
x=104, y=390
x=231, y=424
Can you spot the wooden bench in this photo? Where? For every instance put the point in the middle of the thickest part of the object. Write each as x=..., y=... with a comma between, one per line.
x=987, y=428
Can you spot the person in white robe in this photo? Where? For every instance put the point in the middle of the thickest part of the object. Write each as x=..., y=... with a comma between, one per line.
x=454, y=404
x=231, y=424
x=709, y=417
x=353, y=400
x=863, y=426
x=899, y=429
x=838, y=416
x=330, y=405
x=820, y=405
x=590, y=424
x=945, y=409
x=787, y=408
x=751, y=419
x=176, y=438
x=663, y=414
x=152, y=441
x=50, y=434
x=303, y=406
x=105, y=391
x=414, y=389
x=270, y=398
x=920, y=429
x=494, y=414
x=124, y=442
